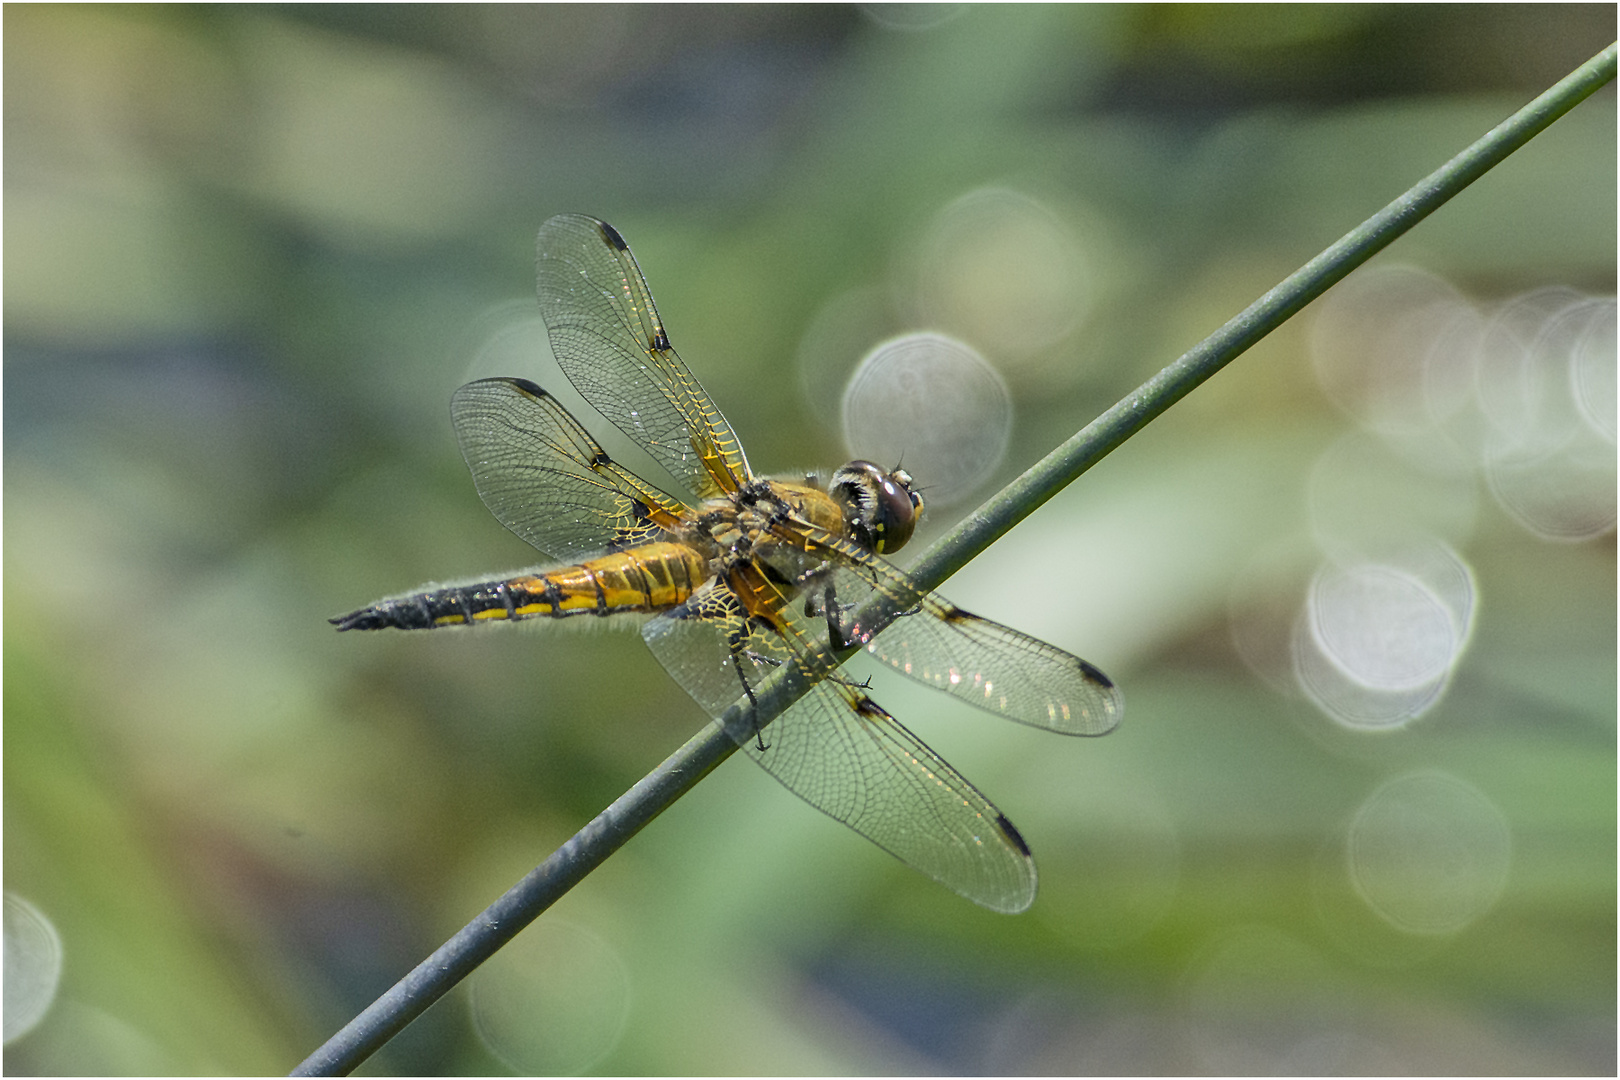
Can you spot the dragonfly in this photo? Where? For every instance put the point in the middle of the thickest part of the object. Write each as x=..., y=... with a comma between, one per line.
x=745, y=578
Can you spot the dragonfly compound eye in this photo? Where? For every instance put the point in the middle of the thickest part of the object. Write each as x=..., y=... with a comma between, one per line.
x=880, y=506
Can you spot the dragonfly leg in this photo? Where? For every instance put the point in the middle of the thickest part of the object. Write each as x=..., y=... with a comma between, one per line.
x=824, y=603
x=738, y=652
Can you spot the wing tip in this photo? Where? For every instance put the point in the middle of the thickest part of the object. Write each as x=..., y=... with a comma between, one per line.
x=1111, y=700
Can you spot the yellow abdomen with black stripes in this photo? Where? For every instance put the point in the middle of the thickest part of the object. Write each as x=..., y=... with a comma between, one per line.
x=648, y=578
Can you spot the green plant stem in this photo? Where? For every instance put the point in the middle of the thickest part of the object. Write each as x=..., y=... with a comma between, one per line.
x=611, y=829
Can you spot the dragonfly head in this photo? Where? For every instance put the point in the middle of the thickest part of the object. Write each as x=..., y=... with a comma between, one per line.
x=880, y=507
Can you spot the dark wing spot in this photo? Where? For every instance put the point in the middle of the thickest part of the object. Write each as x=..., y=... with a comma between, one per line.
x=529, y=388
x=867, y=707
x=1096, y=676
x=611, y=235
x=1011, y=833
x=660, y=340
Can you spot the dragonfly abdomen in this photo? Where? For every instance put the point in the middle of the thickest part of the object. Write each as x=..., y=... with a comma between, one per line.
x=651, y=577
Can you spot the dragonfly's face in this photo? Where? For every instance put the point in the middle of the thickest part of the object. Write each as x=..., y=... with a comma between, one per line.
x=880, y=508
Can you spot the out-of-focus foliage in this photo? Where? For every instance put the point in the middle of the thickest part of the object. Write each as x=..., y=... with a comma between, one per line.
x=250, y=252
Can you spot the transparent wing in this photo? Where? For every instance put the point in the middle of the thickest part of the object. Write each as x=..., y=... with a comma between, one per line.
x=840, y=752
x=981, y=662
x=544, y=477
x=609, y=341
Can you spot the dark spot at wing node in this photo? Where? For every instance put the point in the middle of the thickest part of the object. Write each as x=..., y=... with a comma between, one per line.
x=867, y=707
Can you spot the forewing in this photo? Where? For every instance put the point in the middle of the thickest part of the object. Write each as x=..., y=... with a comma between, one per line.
x=981, y=662
x=842, y=754
x=544, y=477
x=609, y=341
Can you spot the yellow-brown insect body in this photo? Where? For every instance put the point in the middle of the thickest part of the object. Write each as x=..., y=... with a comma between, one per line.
x=744, y=577
x=648, y=578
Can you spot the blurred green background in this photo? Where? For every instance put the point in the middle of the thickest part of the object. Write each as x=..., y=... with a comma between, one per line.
x=250, y=252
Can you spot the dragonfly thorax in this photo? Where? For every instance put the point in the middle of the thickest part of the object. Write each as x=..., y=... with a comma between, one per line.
x=741, y=527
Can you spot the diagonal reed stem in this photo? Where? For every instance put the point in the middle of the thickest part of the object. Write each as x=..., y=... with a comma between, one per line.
x=614, y=827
